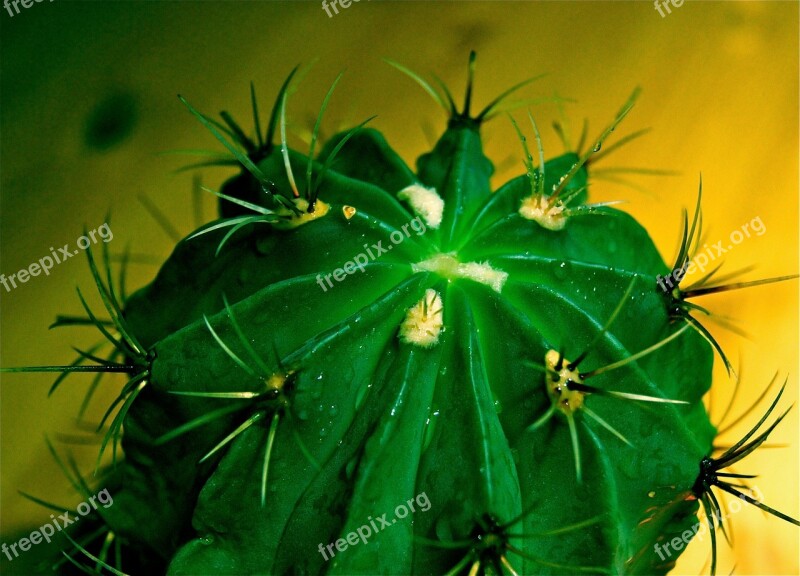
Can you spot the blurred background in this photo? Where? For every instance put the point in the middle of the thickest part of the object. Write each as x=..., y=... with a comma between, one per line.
x=88, y=112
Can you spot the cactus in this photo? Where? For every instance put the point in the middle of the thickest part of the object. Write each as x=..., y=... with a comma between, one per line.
x=353, y=339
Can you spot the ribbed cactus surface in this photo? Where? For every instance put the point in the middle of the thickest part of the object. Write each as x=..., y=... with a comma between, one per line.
x=369, y=368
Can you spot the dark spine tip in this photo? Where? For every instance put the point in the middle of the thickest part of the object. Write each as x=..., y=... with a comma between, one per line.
x=470, y=82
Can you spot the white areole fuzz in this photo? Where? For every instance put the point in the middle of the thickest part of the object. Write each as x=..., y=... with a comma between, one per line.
x=537, y=208
x=423, y=322
x=447, y=266
x=425, y=202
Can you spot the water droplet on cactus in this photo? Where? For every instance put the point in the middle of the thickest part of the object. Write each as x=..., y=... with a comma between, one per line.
x=207, y=540
x=561, y=270
x=350, y=468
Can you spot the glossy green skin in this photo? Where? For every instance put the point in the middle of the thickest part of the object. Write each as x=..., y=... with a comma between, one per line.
x=386, y=421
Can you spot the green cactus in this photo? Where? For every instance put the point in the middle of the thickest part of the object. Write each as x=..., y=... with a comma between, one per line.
x=355, y=338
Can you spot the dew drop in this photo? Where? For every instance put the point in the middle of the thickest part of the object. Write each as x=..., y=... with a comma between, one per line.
x=443, y=529
x=361, y=395
x=350, y=468
x=430, y=426
x=561, y=271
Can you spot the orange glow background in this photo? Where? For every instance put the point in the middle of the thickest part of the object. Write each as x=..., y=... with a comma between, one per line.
x=720, y=92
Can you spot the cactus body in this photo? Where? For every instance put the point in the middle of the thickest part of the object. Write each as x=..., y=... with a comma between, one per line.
x=370, y=419
x=500, y=364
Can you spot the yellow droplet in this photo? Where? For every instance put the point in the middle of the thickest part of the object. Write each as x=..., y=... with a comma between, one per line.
x=348, y=212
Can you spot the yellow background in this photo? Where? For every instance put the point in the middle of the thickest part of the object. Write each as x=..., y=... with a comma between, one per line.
x=720, y=83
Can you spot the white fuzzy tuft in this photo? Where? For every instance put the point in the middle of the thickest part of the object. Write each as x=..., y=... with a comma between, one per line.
x=423, y=322
x=538, y=209
x=425, y=202
x=447, y=266
x=484, y=274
